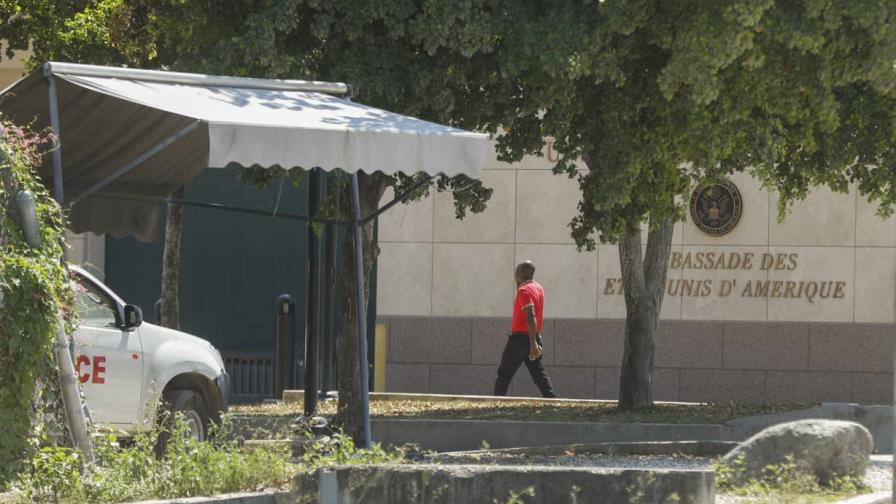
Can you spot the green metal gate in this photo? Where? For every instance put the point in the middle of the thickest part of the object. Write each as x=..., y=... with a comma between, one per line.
x=233, y=267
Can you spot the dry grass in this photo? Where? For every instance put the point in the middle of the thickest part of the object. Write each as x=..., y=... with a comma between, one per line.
x=784, y=498
x=534, y=410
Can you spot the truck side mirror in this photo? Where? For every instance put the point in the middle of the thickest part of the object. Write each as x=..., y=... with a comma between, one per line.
x=133, y=317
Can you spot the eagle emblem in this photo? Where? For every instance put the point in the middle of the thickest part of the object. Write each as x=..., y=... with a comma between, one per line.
x=716, y=208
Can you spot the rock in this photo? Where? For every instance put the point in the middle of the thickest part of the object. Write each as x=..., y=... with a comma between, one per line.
x=315, y=425
x=11, y=497
x=301, y=445
x=826, y=448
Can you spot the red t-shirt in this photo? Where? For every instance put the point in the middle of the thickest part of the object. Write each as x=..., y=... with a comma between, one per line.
x=529, y=293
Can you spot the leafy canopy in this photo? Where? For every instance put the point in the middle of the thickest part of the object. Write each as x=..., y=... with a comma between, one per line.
x=654, y=95
x=374, y=45
x=642, y=97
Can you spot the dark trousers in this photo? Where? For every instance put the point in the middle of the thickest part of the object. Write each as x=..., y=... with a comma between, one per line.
x=516, y=352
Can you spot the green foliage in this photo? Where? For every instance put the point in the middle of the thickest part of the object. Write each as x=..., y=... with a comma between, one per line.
x=786, y=482
x=281, y=39
x=134, y=471
x=642, y=97
x=517, y=497
x=341, y=450
x=261, y=177
x=34, y=291
x=653, y=96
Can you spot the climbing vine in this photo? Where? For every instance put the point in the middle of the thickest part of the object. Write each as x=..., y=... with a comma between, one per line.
x=34, y=289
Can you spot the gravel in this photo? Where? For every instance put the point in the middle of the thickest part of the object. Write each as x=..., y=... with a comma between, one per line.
x=880, y=473
x=532, y=409
x=615, y=461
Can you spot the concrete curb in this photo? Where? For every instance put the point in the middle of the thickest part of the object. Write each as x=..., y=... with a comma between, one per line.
x=465, y=435
x=876, y=498
x=267, y=497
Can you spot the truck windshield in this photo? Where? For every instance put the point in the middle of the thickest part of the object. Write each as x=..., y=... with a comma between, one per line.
x=94, y=308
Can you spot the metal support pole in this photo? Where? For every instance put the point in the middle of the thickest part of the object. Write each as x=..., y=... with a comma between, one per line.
x=65, y=348
x=157, y=309
x=58, y=189
x=362, y=311
x=329, y=301
x=316, y=193
x=231, y=208
x=71, y=394
x=152, y=151
x=401, y=198
x=284, y=359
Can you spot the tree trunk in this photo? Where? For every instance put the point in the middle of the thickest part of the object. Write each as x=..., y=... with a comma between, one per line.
x=644, y=282
x=348, y=414
x=171, y=262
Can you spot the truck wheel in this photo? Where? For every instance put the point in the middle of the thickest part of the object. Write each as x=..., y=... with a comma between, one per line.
x=192, y=406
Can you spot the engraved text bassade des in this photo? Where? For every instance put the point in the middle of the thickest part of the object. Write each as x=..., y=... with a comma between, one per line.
x=810, y=290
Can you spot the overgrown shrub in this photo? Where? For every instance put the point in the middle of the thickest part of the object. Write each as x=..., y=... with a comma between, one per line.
x=134, y=471
x=341, y=450
x=787, y=479
x=34, y=290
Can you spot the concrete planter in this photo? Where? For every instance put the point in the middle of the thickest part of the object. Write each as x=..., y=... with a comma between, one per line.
x=437, y=484
x=465, y=435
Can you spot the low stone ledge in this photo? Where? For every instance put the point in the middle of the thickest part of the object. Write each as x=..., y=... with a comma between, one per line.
x=690, y=448
x=437, y=484
x=462, y=435
x=268, y=497
x=260, y=427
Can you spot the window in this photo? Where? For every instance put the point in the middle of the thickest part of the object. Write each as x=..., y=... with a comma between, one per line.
x=94, y=307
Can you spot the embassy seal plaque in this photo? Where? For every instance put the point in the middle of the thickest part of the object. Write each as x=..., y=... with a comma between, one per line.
x=716, y=208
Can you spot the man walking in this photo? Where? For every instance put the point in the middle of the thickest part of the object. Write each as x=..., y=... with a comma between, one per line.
x=524, y=343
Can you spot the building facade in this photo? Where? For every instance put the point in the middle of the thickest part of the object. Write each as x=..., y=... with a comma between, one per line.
x=755, y=310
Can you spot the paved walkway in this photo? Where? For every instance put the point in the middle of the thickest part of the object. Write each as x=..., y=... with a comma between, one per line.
x=880, y=473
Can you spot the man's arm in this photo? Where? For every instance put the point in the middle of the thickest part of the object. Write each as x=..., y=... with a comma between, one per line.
x=532, y=322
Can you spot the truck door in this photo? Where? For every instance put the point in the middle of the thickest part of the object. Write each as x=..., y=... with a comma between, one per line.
x=108, y=360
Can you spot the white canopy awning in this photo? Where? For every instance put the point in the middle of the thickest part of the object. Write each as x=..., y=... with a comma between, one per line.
x=110, y=117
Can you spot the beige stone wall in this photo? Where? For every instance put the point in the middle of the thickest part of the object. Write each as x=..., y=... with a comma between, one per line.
x=696, y=361
x=12, y=70
x=435, y=265
x=88, y=250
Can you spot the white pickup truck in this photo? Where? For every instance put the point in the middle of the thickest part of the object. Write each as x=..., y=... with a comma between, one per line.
x=126, y=365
